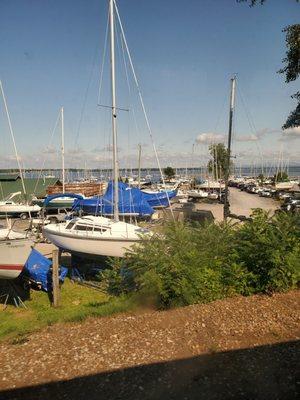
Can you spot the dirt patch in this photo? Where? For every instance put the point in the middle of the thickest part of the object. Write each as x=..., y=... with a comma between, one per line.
x=177, y=340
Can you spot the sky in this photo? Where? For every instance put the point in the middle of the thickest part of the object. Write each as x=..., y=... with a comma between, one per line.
x=184, y=53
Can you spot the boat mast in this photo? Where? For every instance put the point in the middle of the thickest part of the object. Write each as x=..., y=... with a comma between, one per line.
x=62, y=148
x=139, y=166
x=226, y=210
x=113, y=108
x=14, y=142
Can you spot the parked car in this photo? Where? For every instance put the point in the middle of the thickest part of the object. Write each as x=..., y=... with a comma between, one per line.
x=291, y=205
x=284, y=195
x=55, y=215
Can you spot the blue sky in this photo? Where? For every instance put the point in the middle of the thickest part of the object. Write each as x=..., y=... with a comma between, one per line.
x=184, y=53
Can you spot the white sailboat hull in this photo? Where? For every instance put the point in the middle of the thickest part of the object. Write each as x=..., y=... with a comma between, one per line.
x=18, y=208
x=94, y=236
x=111, y=247
x=197, y=194
x=13, y=255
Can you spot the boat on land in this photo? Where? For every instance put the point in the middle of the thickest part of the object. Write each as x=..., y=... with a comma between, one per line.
x=98, y=235
x=132, y=203
x=15, y=249
x=92, y=235
x=14, y=208
x=197, y=193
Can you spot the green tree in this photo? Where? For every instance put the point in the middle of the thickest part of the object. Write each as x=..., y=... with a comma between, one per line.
x=169, y=172
x=218, y=164
x=292, y=69
x=261, y=178
x=281, y=176
x=291, y=61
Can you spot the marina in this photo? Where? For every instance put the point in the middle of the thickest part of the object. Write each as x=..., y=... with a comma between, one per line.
x=149, y=200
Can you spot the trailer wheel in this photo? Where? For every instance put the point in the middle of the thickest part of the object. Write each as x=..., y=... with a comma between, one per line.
x=24, y=216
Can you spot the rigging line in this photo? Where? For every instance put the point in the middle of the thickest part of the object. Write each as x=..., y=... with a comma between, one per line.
x=85, y=99
x=49, y=144
x=13, y=139
x=103, y=59
x=130, y=97
x=142, y=103
x=247, y=112
x=252, y=126
x=221, y=112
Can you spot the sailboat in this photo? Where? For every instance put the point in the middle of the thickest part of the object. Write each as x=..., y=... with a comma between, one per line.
x=14, y=252
x=13, y=207
x=98, y=235
x=15, y=247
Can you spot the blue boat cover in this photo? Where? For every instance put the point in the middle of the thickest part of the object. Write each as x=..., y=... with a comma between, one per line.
x=131, y=201
x=160, y=199
x=38, y=270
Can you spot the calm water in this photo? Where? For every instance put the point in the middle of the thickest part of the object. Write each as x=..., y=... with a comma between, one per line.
x=79, y=175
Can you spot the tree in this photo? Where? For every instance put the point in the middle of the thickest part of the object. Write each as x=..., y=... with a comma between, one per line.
x=261, y=179
x=218, y=164
x=280, y=176
x=291, y=61
x=292, y=69
x=169, y=172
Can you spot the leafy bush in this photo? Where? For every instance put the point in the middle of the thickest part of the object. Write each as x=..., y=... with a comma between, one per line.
x=191, y=264
x=269, y=247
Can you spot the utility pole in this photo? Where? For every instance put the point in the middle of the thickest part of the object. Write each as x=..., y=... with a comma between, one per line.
x=226, y=209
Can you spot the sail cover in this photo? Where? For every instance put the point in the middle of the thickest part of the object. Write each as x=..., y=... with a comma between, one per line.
x=131, y=202
x=156, y=199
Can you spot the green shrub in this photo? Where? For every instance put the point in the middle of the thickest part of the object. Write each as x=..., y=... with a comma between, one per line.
x=269, y=247
x=185, y=265
x=188, y=264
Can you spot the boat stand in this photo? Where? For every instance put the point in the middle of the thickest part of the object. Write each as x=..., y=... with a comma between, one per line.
x=12, y=297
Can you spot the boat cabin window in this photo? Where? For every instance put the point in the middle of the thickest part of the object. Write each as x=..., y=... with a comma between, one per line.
x=70, y=225
x=89, y=228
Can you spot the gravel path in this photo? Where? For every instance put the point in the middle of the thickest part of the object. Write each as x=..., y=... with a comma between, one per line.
x=243, y=348
x=241, y=203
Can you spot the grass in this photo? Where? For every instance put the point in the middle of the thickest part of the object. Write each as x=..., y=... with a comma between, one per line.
x=77, y=303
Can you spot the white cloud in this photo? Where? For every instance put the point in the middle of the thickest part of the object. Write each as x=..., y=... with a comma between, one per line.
x=291, y=133
x=254, y=137
x=209, y=137
x=247, y=138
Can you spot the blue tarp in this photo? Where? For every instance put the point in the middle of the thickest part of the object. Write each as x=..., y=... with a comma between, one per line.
x=131, y=201
x=160, y=199
x=38, y=270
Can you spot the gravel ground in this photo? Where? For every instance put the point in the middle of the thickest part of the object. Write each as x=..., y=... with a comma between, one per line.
x=241, y=203
x=238, y=348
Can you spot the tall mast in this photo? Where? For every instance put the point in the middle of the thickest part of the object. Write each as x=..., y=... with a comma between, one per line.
x=226, y=210
x=62, y=147
x=14, y=142
x=139, y=166
x=113, y=108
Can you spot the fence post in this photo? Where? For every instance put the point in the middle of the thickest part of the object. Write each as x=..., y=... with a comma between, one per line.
x=55, y=277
